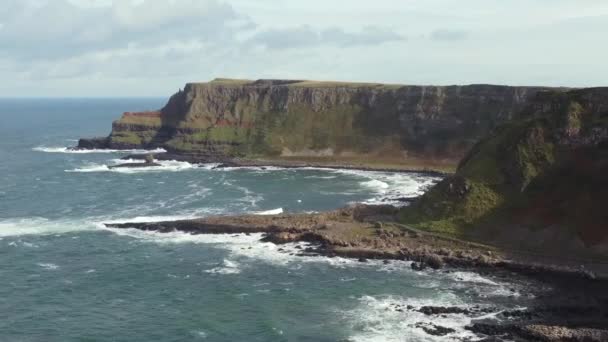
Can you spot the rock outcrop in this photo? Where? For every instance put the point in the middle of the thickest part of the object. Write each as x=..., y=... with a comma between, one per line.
x=538, y=182
x=232, y=118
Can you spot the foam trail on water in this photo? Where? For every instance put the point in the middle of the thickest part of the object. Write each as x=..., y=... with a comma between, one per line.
x=65, y=149
x=44, y=226
x=41, y=226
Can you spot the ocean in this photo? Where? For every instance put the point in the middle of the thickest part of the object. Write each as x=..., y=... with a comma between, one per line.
x=65, y=277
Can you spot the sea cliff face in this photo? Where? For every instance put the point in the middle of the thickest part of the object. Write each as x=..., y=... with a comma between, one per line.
x=537, y=182
x=280, y=118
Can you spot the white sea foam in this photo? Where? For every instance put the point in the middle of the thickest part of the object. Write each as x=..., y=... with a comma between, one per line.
x=249, y=196
x=44, y=226
x=244, y=248
x=41, y=226
x=270, y=212
x=228, y=267
x=165, y=165
x=472, y=277
x=152, y=218
x=387, y=186
x=483, y=286
x=374, y=318
x=64, y=149
x=391, y=185
x=386, y=318
x=377, y=185
x=48, y=266
x=254, y=168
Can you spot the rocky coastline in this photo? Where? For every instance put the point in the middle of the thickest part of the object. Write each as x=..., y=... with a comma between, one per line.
x=523, y=172
x=225, y=162
x=365, y=232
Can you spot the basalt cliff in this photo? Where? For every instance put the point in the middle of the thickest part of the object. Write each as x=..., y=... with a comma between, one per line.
x=387, y=124
x=537, y=183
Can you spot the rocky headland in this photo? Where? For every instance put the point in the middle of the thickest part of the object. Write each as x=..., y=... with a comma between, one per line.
x=320, y=123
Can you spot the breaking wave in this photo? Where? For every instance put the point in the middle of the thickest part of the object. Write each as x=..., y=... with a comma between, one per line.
x=270, y=212
x=386, y=318
x=164, y=165
x=64, y=149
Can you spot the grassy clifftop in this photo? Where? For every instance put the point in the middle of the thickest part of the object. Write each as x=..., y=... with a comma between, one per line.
x=542, y=176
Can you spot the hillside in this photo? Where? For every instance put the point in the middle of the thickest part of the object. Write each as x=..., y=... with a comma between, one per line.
x=391, y=124
x=538, y=182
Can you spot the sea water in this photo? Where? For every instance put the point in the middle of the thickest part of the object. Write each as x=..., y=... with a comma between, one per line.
x=65, y=277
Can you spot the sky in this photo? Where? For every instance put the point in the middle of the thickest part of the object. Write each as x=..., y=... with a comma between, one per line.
x=84, y=48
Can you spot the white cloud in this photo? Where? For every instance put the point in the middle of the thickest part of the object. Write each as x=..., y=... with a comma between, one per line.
x=306, y=36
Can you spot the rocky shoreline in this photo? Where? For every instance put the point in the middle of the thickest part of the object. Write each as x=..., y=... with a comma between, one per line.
x=368, y=232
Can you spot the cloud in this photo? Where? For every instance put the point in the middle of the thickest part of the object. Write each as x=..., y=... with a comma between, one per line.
x=151, y=47
x=60, y=29
x=306, y=36
x=448, y=35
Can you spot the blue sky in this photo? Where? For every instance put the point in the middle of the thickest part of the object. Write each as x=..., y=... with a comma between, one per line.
x=153, y=47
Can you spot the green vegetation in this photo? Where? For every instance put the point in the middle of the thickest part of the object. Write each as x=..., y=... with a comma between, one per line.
x=333, y=84
x=140, y=121
x=541, y=171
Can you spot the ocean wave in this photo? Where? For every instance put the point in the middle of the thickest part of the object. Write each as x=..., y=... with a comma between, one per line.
x=269, y=212
x=244, y=248
x=228, y=267
x=249, y=196
x=153, y=218
x=41, y=226
x=44, y=226
x=48, y=266
x=385, y=318
x=472, y=277
x=377, y=185
x=71, y=150
x=254, y=168
x=390, y=186
x=164, y=165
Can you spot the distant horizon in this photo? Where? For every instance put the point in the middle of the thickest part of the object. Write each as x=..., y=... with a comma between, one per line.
x=157, y=96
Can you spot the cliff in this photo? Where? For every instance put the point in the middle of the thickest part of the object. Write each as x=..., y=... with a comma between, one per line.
x=538, y=182
x=301, y=119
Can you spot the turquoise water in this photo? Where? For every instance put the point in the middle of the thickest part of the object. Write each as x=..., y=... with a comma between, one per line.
x=66, y=278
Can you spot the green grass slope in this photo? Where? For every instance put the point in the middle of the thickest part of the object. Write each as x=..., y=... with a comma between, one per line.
x=545, y=174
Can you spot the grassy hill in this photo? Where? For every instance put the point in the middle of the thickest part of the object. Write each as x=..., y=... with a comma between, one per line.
x=540, y=181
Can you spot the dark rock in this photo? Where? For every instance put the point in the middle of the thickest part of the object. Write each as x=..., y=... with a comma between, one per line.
x=433, y=261
x=435, y=330
x=134, y=165
x=417, y=266
x=93, y=143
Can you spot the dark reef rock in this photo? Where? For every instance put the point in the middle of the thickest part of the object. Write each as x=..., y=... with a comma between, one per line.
x=93, y=143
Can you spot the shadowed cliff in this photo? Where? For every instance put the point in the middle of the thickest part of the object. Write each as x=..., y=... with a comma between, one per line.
x=538, y=182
